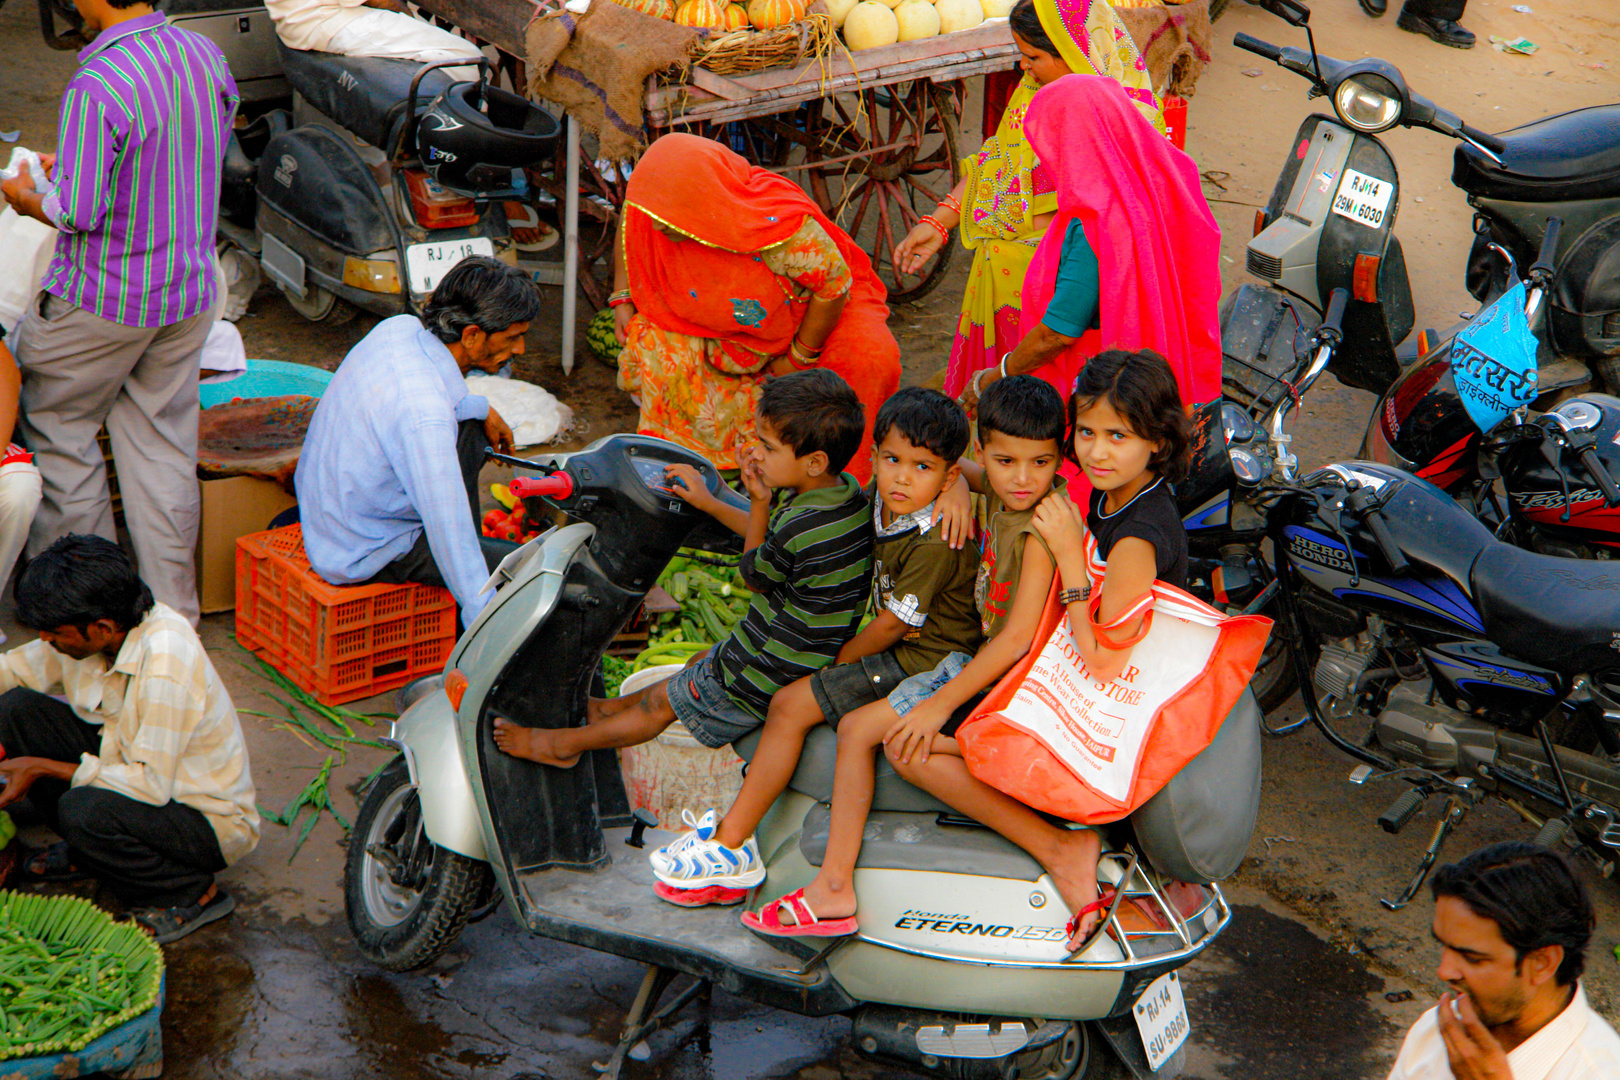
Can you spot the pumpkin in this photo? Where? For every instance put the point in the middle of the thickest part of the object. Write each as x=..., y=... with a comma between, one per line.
x=957, y=15
x=871, y=24
x=658, y=9
x=736, y=17
x=705, y=14
x=769, y=14
x=839, y=10
x=916, y=19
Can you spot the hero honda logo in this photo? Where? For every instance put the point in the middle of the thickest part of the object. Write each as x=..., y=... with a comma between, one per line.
x=1314, y=551
x=947, y=923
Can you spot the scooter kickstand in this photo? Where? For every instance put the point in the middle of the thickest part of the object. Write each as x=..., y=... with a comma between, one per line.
x=822, y=954
x=638, y=1025
x=1456, y=810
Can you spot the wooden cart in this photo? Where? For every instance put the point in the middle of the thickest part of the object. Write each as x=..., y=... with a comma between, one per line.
x=873, y=136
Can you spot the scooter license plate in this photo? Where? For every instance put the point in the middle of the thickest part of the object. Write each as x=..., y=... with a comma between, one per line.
x=1362, y=198
x=1161, y=1017
x=428, y=263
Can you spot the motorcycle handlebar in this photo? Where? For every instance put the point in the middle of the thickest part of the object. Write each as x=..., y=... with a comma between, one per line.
x=1333, y=321
x=1543, y=266
x=1595, y=469
x=1374, y=520
x=1255, y=45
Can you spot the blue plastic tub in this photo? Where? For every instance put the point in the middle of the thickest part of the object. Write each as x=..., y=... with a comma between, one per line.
x=266, y=378
x=134, y=1045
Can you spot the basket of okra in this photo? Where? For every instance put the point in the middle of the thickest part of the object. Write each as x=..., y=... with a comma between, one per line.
x=75, y=984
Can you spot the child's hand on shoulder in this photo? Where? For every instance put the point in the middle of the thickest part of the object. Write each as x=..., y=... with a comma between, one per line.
x=953, y=513
x=686, y=484
x=1062, y=526
x=916, y=730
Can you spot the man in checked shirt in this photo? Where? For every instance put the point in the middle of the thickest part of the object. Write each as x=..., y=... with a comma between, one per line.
x=115, y=333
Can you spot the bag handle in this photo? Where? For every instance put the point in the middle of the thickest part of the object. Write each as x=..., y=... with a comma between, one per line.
x=1142, y=605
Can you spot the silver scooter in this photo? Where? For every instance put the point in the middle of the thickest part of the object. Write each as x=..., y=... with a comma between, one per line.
x=960, y=966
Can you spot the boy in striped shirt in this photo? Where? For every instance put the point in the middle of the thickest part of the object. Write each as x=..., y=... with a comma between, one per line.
x=808, y=561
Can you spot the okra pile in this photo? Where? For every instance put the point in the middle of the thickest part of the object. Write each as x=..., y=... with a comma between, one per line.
x=69, y=974
x=713, y=599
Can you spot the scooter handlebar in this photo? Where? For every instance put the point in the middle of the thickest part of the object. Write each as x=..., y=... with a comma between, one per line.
x=559, y=485
x=1255, y=45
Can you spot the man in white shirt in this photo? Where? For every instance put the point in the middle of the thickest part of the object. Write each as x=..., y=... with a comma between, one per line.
x=1513, y=923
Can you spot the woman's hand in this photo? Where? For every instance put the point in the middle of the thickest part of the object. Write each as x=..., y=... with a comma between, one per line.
x=780, y=366
x=976, y=385
x=915, y=731
x=953, y=513
x=621, y=319
x=922, y=243
x=1063, y=527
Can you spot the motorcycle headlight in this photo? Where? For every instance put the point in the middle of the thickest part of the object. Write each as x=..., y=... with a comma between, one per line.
x=1367, y=102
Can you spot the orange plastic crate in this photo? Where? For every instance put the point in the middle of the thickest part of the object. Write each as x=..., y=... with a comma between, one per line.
x=339, y=642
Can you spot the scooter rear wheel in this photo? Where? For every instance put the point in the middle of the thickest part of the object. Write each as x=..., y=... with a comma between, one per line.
x=406, y=898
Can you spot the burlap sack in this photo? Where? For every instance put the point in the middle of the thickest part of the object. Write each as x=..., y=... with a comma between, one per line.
x=1175, y=41
x=596, y=66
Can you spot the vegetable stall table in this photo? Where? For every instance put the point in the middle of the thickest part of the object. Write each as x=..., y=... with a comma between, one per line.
x=872, y=135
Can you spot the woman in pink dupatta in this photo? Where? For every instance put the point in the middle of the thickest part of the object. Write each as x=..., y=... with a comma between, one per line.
x=1151, y=277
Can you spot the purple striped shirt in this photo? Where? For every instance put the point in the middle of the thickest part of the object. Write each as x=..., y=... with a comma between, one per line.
x=145, y=122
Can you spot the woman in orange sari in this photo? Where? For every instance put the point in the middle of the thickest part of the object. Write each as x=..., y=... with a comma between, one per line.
x=726, y=275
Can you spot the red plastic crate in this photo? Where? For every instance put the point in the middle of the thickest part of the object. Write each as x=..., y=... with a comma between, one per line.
x=339, y=642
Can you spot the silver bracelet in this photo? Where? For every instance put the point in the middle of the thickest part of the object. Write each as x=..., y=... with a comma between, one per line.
x=1004, y=363
x=978, y=382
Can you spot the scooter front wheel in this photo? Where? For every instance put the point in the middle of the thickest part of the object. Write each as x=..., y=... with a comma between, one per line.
x=407, y=899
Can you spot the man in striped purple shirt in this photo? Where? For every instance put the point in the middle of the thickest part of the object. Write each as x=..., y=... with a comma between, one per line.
x=115, y=334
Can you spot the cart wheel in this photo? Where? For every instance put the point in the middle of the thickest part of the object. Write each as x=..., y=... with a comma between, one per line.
x=881, y=159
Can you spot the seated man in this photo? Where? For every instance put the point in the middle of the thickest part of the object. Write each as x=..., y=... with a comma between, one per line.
x=388, y=477
x=143, y=770
x=1513, y=923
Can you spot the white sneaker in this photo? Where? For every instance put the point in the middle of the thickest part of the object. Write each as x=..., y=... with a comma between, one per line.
x=697, y=860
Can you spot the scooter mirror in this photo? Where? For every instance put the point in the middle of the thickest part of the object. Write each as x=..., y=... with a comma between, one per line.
x=1291, y=12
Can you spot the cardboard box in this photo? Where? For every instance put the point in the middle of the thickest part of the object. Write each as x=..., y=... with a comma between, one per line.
x=233, y=507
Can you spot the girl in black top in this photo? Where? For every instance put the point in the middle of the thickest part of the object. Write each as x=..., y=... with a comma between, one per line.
x=1129, y=434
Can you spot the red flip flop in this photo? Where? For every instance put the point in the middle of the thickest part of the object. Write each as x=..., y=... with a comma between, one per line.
x=717, y=895
x=805, y=924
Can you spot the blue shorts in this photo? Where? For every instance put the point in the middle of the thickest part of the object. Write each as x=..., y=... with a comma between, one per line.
x=703, y=705
x=919, y=688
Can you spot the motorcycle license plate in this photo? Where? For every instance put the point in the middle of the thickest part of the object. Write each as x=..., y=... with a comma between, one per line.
x=1362, y=198
x=428, y=263
x=1161, y=1017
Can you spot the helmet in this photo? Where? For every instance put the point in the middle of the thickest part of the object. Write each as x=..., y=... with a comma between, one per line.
x=474, y=135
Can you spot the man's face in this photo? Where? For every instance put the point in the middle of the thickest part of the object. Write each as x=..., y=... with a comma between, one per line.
x=490, y=352
x=79, y=644
x=1474, y=960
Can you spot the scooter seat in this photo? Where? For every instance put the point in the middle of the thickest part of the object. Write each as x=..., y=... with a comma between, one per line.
x=365, y=94
x=895, y=841
x=814, y=776
x=1572, y=155
x=1561, y=613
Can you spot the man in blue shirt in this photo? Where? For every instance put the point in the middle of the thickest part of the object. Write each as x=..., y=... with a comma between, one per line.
x=388, y=477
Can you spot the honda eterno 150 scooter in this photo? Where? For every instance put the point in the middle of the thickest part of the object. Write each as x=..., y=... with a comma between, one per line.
x=960, y=963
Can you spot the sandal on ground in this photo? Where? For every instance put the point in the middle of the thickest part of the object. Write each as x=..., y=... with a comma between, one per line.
x=709, y=895
x=526, y=218
x=54, y=862
x=805, y=924
x=172, y=924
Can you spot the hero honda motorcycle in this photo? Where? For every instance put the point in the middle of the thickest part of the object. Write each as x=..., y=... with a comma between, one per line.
x=960, y=964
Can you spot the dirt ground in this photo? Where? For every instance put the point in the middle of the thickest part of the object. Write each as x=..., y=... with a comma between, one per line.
x=1296, y=988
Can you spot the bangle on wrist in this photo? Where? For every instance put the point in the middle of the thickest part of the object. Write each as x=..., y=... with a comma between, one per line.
x=1074, y=596
x=800, y=357
x=978, y=381
x=619, y=298
x=934, y=222
x=1003, y=367
x=949, y=202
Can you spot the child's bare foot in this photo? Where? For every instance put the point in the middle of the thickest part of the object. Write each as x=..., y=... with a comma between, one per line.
x=1074, y=872
x=531, y=744
x=828, y=902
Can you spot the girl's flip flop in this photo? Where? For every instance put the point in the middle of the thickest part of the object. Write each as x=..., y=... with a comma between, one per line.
x=717, y=895
x=805, y=924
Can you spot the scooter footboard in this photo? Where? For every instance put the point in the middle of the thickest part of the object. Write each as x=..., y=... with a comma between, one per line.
x=426, y=734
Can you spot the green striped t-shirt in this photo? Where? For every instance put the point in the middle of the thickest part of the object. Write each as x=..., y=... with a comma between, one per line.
x=810, y=577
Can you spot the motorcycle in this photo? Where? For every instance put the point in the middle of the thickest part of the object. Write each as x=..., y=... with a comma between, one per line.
x=959, y=966
x=380, y=176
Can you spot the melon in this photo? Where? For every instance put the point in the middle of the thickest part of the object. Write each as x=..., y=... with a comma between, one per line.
x=658, y=9
x=839, y=10
x=601, y=339
x=705, y=14
x=916, y=19
x=736, y=17
x=996, y=9
x=871, y=24
x=769, y=14
x=957, y=15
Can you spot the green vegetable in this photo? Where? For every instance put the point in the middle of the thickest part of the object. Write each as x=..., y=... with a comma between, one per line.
x=614, y=671
x=601, y=338
x=8, y=829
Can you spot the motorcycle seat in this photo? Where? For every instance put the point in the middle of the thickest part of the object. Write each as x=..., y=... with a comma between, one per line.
x=364, y=94
x=1561, y=613
x=1572, y=155
x=814, y=776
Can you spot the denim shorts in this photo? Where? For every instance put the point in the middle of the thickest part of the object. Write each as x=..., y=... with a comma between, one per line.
x=840, y=689
x=703, y=705
x=919, y=688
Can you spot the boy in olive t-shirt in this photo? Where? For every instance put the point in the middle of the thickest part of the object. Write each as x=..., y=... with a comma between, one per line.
x=923, y=612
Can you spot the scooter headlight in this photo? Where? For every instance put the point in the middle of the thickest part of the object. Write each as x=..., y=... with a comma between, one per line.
x=1367, y=102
